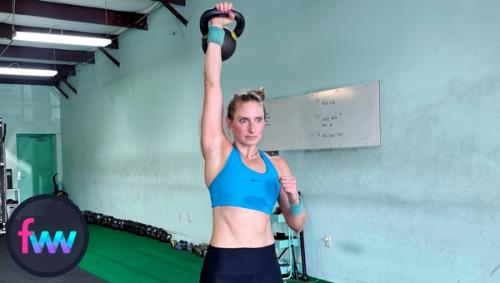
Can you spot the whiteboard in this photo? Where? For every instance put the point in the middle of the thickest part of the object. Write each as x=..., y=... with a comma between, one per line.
x=282, y=120
x=335, y=118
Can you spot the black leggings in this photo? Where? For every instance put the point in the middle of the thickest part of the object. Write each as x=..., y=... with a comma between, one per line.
x=241, y=265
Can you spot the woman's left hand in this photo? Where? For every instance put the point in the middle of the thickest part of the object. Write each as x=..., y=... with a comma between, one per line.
x=289, y=185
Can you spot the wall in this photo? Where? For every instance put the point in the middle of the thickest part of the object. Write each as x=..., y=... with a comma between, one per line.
x=29, y=110
x=422, y=207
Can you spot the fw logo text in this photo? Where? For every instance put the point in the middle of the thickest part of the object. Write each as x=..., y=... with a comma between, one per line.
x=44, y=240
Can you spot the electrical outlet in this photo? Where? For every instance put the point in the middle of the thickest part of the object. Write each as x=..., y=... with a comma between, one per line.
x=328, y=241
x=189, y=217
x=180, y=216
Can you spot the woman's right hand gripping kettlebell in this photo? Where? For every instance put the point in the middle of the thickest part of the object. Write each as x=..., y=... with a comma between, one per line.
x=224, y=7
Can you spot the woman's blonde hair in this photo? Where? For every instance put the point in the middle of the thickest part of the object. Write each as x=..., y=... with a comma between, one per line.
x=245, y=95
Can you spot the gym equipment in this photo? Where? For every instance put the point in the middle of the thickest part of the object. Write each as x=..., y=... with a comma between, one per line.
x=141, y=229
x=303, y=276
x=62, y=194
x=3, y=178
x=173, y=243
x=97, y=218
x=87, y=214
x=129, y=226
x=8, y=174
x=230, y=36
x=181, y=245
x=153, y=232
x=200, y=250
x=58, y=191
x=286, y=242
x=149, y=230
x=163, y=236
x=280, y=236
x=115, y=224
x=107, y=220
x=137, y=228
x=122, y=225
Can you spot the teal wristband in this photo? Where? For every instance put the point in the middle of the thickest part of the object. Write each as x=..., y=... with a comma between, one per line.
x=296, y=209
x=216, y=35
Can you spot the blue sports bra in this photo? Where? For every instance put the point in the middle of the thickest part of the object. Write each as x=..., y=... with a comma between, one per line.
x=237, y=185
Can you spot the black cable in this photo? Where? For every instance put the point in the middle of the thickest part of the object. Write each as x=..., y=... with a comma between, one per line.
x=304, y=276
x=284, y=250
x=295, y=269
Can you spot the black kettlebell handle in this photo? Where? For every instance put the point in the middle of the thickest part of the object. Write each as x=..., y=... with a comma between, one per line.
x=212, y=13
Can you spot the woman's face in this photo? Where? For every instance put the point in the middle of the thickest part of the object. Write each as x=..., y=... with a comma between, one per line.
x=248, y=123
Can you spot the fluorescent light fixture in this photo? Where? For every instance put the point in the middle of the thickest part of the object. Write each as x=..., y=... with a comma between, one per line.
x=27, y=72
x=61, y=39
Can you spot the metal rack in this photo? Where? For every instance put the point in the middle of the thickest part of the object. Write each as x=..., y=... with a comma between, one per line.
x=287, y=248
x=3, y=178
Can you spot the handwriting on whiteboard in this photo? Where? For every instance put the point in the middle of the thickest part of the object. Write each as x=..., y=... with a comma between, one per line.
x=333, y=118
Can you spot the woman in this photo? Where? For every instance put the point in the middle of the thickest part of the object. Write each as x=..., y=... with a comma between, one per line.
x=244, y=183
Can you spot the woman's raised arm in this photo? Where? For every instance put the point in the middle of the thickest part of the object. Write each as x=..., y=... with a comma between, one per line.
x=212, y=133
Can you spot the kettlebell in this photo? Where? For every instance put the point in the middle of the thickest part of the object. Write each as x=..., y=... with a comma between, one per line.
x=230, y=36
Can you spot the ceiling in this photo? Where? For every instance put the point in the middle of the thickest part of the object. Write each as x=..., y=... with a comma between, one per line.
x=101, y=18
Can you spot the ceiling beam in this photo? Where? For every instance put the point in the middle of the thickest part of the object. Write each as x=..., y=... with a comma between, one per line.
x=62, y=69
x=47, y=54
x=110, y=57
x=174, y=11
x=65, y=81
x=29, y=81
x=75, y=13
x=177, y=2
x=6, y=32
x=26, y=81
x=61, y=91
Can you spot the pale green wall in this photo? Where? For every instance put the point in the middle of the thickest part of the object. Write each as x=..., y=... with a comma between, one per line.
x=422, y=207
x=29, y=110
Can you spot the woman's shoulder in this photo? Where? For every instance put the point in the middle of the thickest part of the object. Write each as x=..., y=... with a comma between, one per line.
x=278, y=161
x=276, y=158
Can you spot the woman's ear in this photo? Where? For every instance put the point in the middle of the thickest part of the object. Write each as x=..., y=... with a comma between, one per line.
x=228, y=129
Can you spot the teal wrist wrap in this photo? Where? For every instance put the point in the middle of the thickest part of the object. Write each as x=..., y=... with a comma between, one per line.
x=296, y=209
x=216, y=35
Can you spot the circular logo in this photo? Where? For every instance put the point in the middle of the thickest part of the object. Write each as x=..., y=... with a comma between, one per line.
x=47, y=235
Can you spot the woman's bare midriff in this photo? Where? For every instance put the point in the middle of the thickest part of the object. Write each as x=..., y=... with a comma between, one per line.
x=235, y=227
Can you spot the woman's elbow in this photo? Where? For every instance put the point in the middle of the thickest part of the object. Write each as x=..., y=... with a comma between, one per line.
x=298, y=227
x=298, y=224
x=211, y=83
x=208, y=83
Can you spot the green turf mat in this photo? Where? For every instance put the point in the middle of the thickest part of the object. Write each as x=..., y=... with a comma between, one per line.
x=118, y=256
